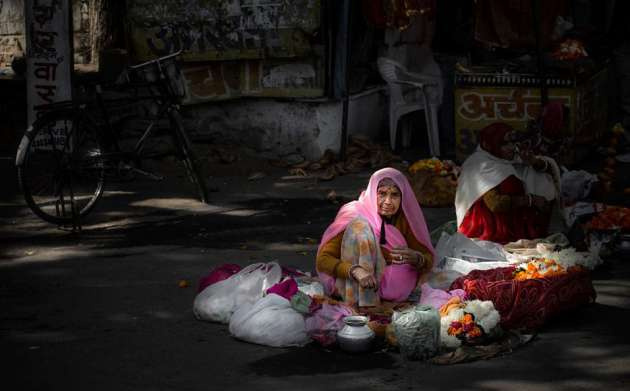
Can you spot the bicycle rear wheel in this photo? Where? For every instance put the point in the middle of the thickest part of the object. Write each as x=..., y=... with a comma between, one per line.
x=187, y=156
x=61, y=167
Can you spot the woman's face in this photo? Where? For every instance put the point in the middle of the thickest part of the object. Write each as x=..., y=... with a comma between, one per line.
x=388, y=200
x=507, y=150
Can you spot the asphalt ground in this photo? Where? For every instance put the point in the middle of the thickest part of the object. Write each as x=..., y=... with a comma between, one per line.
x=104, y=310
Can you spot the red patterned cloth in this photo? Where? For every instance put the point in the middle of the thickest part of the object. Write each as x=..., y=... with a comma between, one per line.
x=529, y=303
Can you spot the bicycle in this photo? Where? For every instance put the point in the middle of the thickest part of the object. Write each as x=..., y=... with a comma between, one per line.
x=65, y=157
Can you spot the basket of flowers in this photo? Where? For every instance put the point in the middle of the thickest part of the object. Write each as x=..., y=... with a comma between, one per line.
x=434, y=181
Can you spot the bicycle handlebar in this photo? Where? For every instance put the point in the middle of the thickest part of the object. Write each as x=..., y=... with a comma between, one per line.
x=156, y=60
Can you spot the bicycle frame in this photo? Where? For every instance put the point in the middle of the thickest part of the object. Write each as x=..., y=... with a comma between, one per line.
x=165, y=98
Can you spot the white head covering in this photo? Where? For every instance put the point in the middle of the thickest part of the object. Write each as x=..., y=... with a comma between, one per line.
x=481, y=172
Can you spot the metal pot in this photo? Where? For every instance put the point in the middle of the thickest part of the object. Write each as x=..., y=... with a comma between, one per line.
x=355, y=336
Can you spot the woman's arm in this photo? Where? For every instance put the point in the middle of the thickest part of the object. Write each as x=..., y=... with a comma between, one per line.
x=328, y=259
x=502, y=203
x=418, y=255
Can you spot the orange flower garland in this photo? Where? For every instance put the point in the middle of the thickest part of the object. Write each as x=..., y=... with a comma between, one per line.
x=541, y=268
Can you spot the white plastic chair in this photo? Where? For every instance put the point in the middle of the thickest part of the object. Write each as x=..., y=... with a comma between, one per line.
x=402, y=102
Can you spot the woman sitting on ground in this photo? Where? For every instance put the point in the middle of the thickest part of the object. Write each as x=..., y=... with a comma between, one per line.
x=377, y=247
x=491, y=201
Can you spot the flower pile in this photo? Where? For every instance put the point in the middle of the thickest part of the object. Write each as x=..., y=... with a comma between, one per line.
x=538, y=268
x=570, y=258
x=470, y=323
x=613, y=217
x=465, y=328
x=570, y=49
x=437, y=166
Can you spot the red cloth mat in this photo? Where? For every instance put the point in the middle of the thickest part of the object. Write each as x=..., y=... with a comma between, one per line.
x=529, y=303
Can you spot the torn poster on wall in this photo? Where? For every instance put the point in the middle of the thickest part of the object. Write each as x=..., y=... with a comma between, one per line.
x=223, y=29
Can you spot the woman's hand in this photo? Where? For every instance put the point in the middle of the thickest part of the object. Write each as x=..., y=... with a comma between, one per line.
x=402, y=255
x=365, y=279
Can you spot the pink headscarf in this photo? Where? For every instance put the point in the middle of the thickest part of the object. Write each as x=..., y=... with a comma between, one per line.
x=366, y=207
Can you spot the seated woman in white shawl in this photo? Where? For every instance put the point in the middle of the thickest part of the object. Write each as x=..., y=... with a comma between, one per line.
x=493, y=201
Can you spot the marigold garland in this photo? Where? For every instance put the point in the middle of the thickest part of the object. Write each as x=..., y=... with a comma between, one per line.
x=465, y=328
x=542, y=268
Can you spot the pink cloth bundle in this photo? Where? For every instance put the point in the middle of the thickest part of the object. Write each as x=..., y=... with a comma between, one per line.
x=220, y=273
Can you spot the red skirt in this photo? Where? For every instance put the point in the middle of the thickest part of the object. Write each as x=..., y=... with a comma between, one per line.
x=519, y=223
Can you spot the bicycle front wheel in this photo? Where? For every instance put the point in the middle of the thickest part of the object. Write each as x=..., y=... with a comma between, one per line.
x=61, y=168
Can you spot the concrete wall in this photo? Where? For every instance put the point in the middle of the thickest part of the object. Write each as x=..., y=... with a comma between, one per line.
x=289, y=129
x=12, y=30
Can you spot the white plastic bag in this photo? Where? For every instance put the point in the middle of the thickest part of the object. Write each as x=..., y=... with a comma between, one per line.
x=270, y=321
x=460, y=246
x=576, y=185
x=310, y=286
x=218, y=302
x=458, y=255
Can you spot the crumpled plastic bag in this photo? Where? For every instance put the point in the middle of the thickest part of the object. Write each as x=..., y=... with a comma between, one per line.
x=218, y=302
x=576, y=185
x=460, y=246
x=417, y=332
x=310, y=286
x=458, y=255
x=323, y=325
x=217, y=274
x=270, y=321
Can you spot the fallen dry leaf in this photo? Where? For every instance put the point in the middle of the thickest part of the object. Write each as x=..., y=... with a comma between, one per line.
x=298, y=172
x=256, y=175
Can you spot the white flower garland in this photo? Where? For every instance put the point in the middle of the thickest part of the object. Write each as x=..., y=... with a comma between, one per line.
x=571, y=257
x=486, y=317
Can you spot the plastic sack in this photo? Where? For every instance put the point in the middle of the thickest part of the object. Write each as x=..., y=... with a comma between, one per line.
x=397, y=282
x=270, y=321
x=417, y=331
x=460, y=246
x=218, y=302
x=310, y=286
x=323, y=325
x=576, y=185
x=217, y=274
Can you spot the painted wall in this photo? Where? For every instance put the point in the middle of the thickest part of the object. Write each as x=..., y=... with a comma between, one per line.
x=276, y=129
x=234, y=48
x=222, y=29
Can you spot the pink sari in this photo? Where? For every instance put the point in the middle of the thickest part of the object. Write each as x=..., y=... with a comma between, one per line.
x=366, y=207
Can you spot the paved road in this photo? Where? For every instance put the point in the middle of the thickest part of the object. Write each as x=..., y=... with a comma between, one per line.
x=103, y=310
